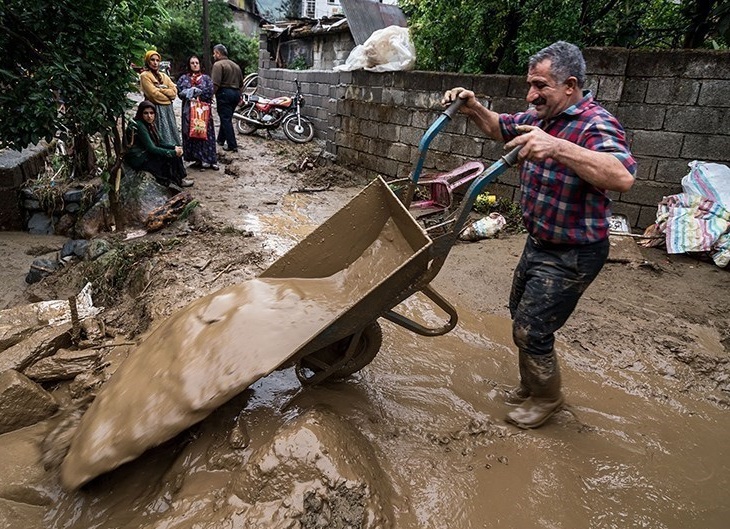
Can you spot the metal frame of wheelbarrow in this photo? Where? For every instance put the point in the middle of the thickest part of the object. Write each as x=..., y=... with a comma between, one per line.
x=441, y=187
x=353, y=339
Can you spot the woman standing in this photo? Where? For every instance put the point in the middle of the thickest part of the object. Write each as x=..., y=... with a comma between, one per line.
x=195, y=85
x=159, y=88
x=146, y=151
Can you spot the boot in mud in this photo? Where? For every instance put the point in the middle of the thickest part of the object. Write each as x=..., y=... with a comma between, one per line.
x=519, y=394
x=543, y=382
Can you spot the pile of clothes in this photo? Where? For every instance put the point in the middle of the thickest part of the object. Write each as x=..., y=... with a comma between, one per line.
x=698, y=220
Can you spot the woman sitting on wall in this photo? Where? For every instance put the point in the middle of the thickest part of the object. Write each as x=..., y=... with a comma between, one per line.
x=146, y=152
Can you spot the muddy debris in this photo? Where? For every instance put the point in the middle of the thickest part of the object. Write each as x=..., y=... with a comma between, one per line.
x=415, y=439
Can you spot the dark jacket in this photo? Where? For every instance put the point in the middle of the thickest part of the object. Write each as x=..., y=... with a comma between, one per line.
x=140, y=145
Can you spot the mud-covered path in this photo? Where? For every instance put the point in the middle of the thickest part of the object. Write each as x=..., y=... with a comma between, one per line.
x=642, y=441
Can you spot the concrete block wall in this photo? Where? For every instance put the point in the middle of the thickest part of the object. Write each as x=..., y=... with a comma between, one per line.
x=674, y=106
x=16, y=167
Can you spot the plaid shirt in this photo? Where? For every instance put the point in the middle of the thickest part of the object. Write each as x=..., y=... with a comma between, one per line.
x=557, y=205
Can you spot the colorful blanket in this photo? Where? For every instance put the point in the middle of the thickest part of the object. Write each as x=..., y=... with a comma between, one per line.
x=698, y=220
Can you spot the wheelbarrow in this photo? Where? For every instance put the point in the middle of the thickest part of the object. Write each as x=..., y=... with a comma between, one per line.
x=353, y=340
x=316, y=307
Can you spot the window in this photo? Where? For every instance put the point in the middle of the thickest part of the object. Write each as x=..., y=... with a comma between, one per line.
x=309, y=8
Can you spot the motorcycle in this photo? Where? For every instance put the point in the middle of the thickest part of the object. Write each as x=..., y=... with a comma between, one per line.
x=256, y=112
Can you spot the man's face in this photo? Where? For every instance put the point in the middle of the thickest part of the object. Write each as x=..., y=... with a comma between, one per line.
x=216, y=55
x=548, y=96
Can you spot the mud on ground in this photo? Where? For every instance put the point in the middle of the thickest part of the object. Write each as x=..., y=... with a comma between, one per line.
x=416, y=439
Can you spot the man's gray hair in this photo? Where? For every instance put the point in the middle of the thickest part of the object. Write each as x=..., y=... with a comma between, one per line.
x=221, y=49
x=566, y=60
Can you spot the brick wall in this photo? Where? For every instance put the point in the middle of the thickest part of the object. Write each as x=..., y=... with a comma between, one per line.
x=674, y=106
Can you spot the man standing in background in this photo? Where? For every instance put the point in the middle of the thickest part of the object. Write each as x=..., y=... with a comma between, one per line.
x=227, y=84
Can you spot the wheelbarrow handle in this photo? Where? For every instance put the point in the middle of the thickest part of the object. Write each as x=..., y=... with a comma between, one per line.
x=454, y=107
x=413, y=326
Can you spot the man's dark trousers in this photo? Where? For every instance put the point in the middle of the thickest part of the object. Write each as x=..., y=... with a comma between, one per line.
x=227, y=100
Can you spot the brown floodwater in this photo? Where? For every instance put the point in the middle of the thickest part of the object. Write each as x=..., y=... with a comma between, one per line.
x=430, y=409
x=422, y=426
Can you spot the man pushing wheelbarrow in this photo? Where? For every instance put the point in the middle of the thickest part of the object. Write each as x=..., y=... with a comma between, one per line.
x=573, y=152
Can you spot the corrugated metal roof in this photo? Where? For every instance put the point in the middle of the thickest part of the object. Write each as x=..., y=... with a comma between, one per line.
x=366, y=16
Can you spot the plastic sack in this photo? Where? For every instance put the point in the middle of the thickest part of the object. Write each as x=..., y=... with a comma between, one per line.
x=386, y=50
x=484, y=228
x=709, y=180
x=199, y=117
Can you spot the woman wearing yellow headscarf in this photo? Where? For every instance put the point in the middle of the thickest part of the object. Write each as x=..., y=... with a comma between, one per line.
x=161, y=90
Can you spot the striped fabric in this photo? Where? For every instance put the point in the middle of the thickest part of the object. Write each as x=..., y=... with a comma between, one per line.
x=698, y=220
x=696, y=224
x=557, y=205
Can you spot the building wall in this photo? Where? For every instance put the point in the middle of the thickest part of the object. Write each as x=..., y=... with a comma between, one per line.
x=674, y=106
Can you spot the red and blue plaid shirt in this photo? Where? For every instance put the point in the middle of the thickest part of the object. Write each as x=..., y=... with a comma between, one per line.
x=557, y=205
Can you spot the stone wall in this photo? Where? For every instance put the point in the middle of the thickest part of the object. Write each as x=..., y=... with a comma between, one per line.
x=15, y=168
x=674, y=106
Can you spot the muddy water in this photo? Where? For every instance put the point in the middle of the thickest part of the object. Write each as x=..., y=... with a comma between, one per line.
x=430, y=410
x=213, y=349
x=427, y=416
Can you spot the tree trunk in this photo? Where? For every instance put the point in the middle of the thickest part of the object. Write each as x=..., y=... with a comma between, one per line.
x=84, y=158
x=115, y=176
x=698, y=13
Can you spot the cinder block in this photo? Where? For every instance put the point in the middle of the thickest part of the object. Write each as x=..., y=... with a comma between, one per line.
x=701, y=120
x=646, y=167
x=715, y=93
x=609, y=88
x=657, y=143
x=635, y=90
x=707, y=147
x=491, y=86
x=641, y=117
x=644, y=192
x=606, y=61
x=673, y=91
x=647, y=217
x=631, y=211
x=671, y=171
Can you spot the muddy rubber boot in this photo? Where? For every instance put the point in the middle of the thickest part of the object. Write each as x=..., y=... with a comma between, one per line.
x=544, y=384
x=519, y=394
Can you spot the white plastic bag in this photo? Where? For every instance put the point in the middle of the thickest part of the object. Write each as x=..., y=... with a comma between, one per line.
x=484, y=228
x=709, y=180
x=386, y=50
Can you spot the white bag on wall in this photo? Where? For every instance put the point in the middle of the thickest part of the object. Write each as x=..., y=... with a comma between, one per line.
x=387, y=50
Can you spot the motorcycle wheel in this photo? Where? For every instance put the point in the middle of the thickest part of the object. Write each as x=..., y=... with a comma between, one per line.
x=250, y=111
x=298, y=132
x=367, y=347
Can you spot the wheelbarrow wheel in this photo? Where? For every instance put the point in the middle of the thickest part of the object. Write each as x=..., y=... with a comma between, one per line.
x=367, y=347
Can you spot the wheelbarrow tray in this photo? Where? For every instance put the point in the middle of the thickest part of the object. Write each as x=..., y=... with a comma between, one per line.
x=211, y=350
x=341, y=240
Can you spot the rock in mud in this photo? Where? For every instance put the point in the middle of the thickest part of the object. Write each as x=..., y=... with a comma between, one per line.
x=22, y=402
x=41, y=268
x=318, y=471
x=63, y=365
x=40, y=344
